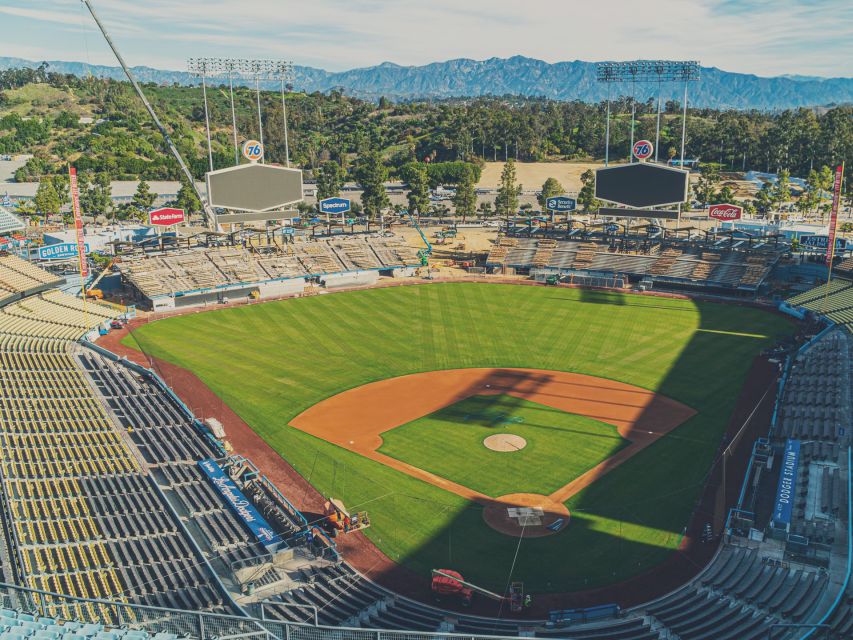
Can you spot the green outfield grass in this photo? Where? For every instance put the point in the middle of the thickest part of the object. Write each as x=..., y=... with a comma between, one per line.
x=560, y=446
x=271, y=361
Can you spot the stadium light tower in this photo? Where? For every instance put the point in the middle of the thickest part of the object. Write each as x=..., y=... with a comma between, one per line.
x=247, y=68
x=659, y=71
x=199, y=67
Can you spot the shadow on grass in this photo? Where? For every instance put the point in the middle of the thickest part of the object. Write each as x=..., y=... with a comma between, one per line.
x=634, y=518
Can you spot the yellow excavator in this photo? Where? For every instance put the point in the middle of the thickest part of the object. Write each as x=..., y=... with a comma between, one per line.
x=92, y=291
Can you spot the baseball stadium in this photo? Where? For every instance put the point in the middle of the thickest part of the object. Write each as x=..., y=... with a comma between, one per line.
x=280, y=429
x=481, y=456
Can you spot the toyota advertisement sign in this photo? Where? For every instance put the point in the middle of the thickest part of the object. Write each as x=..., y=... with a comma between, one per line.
x=167, y=217
x=725, y=212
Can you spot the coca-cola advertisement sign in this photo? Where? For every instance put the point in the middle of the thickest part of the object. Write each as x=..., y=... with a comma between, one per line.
x=167, y=217
x=725, y=212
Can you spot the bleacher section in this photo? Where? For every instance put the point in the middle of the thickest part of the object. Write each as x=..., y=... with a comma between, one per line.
x=186, y=270
x=171, y=443
x=19, y=278
x=817, y=402
x=739, y=597
x=835, y=301
x=730, y=270
x=85, y=520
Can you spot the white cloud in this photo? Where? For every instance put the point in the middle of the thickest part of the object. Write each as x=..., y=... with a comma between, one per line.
x=754, y=36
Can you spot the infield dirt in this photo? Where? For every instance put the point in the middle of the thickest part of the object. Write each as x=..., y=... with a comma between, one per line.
x=357, y=418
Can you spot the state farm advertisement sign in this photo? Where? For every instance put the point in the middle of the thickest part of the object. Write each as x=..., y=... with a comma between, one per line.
x=167, y=217
x=725, y=212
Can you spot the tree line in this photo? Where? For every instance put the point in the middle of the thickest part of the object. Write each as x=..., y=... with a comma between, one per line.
x=448, y=139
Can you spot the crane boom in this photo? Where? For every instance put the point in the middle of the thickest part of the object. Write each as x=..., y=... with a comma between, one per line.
x=428, y=250
x=208, y=211
x=473, y=587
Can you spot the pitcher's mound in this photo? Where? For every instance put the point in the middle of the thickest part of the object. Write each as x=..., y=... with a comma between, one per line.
x=505, y=442
x=528, y=514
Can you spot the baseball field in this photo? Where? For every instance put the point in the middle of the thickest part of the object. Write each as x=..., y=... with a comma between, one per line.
x=428, y=405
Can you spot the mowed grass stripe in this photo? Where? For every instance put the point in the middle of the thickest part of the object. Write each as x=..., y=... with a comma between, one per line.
x=558, y=447
x=292, y=354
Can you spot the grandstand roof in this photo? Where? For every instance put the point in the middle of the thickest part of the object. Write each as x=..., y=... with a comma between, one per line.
x=9, y=222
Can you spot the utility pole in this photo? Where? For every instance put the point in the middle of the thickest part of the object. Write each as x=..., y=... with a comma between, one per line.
x=683, y=124
x=233, y=115
x=284, y=116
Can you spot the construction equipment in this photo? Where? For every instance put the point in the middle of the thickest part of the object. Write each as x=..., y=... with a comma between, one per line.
x=450, y=583
x=424, y=253
x=338, y=520
x=92, y=290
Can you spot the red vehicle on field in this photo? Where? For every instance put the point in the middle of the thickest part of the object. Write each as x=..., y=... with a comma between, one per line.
x=447, y=583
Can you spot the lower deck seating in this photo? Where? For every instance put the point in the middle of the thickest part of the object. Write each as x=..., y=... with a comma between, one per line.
x=739, y=597
x=341, y=597
x=169, y=440
x=841, y=621
x=85, y=518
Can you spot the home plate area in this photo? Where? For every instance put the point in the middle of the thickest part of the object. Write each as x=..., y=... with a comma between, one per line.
x=526, y=514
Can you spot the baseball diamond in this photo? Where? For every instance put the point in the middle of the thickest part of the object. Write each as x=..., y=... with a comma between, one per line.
x=383, y=397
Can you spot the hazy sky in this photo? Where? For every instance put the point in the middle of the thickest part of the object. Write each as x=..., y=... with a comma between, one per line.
x=765, y=37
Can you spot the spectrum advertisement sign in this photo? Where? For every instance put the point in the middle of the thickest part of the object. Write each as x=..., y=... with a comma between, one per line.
x=561, y=203
x=335, y=205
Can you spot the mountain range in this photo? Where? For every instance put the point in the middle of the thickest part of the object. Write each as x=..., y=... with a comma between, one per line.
x=521, y=76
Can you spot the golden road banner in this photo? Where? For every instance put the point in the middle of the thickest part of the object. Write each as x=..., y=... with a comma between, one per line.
x=833, y=216
x=78, y=222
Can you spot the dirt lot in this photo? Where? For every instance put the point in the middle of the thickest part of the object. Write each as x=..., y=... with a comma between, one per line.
x=531, y=175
